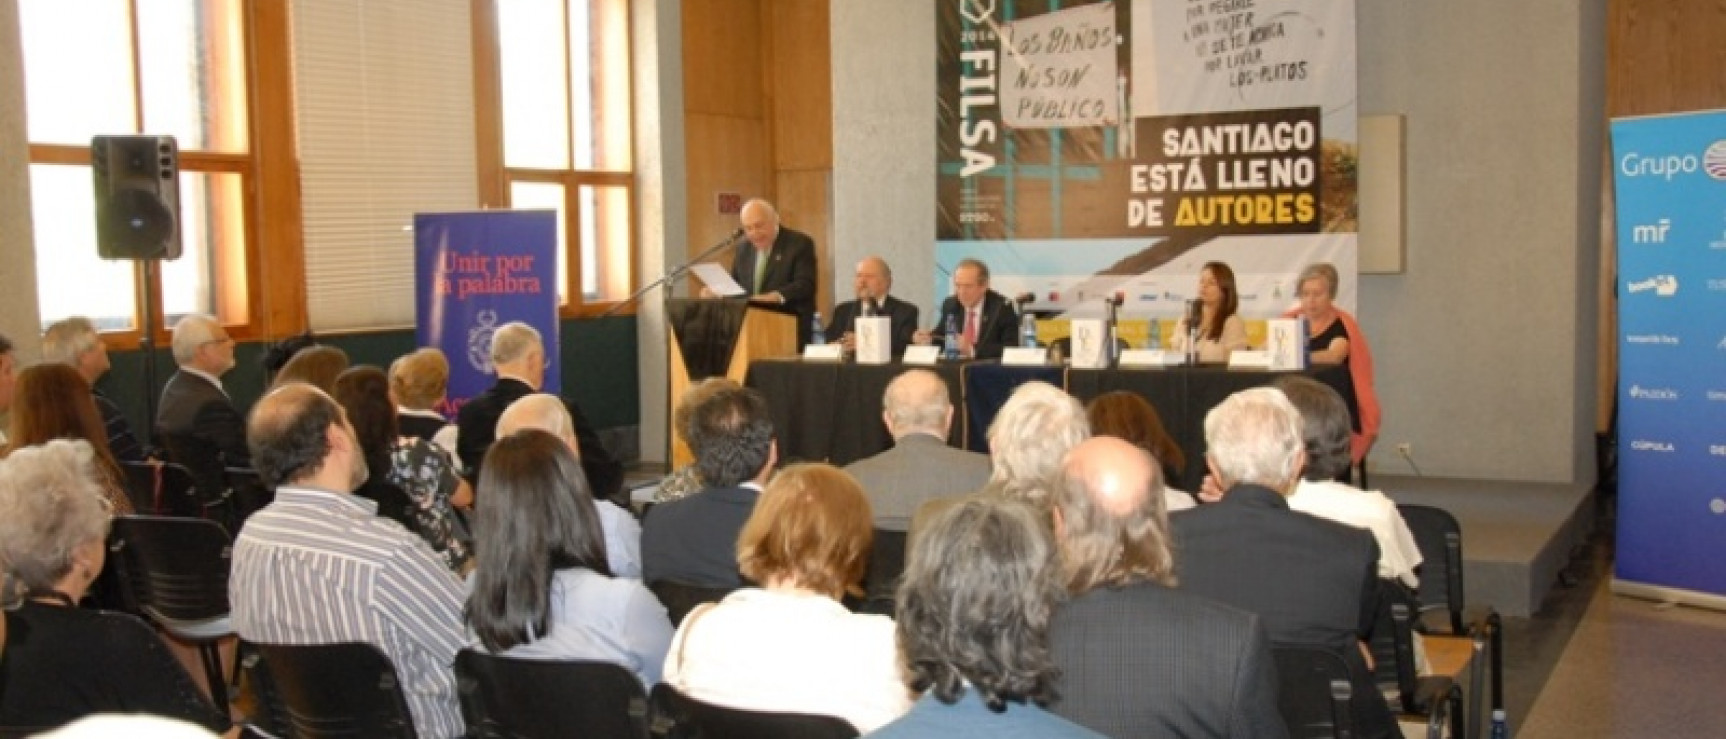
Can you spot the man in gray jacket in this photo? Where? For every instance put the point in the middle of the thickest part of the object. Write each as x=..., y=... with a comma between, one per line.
x=920, y=466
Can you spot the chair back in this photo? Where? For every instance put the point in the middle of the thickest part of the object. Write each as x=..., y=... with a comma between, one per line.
x=161, y=488
x=250, y=494
x=681, y=598
x=886, y=564
x=678, y=716
x=1314, y=692
x=510, y=698
x=338, y=691
x=1438, y=535
x=174, y=569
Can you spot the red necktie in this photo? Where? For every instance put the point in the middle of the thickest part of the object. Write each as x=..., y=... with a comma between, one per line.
x=971, y=327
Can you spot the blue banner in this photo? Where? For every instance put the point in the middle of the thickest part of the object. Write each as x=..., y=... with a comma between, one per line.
x=1670, y=173
x=474, y=272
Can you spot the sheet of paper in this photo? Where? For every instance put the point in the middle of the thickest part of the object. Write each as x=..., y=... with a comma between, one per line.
x=717, y=279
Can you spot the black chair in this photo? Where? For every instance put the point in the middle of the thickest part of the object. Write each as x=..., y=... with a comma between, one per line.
x=681, y=598
x=162, y=489
x=331, y=691
x=1314, y=693
x=1443, y=611
x=677, y=716
x=268, y=711
x=250, y=494
x=1429, y=699
x=175, y=571
x=886, y=563
x=509, y=698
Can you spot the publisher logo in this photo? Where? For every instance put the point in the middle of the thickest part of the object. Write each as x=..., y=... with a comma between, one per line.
x=1717, y=396
x=1714, y=160
x=1717, y=450
x=1653, y=393
x=1661, y=339
x=1650, y=233
x=1665, y=286
x=1644, y=445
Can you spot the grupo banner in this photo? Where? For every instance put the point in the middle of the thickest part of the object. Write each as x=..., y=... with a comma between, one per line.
x=1102, y=148
x=1670, y=176
x=475, y=272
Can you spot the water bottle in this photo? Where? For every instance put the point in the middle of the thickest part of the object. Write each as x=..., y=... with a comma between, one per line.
x=1499, y=729
x=1156, y=340
x=817, y=334
x=868, y=306
x=950, y=339
x=1028, y=330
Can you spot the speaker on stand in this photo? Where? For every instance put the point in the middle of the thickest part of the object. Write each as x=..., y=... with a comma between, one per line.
x=137, y=181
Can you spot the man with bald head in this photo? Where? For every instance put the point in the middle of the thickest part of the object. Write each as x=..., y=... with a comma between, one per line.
x=319, y=566
x=920, y=466
x=776, y=265
x=873, y=283
x=198, y=422
x=546, y=412
x=1213, y=667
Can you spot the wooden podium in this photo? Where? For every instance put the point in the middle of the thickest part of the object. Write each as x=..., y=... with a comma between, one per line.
x=719, y=337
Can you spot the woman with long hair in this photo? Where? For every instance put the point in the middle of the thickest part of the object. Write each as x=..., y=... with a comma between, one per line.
x=541, y=587
x=1220, y=329
x=52, y=401
x=1129, y=417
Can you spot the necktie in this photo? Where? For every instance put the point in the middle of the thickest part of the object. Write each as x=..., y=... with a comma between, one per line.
x=971, y=327
x=760, y=268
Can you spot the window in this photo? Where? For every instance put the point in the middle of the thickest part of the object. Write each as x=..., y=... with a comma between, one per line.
x=185, y=68
x=552, y=82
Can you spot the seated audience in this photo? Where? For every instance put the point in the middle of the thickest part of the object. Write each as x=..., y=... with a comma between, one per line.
x=198, y=423
x=1324, y=430
x=693, y=541
x=789, y=646
x=419, y=385
x=622, y=532
x=317, y=565
x=686, y=480
x=920, y=466
x=317, y=365
x=399, y=465
x=1215, y=675
x=1314, y=582
x=54, y=402
x=541, y=588
x=62, y=662
x=1334, y=337
x=1127, y=415
x=278, y=353
x=1033, y=430
x=1221, y=331
x=74, y=341
x=973, y=626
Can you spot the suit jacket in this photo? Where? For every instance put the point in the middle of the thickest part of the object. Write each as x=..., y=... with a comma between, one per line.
x=790, y=272
x=917, y=469
x=903, y=315
x=476, y=425
x=1313, y=581
x=1213, y=667
x=693, y=540
x=999, y=327
x=203, y=431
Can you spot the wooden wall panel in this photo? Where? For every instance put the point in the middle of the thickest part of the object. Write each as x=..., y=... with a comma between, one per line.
x=722, y=57
x=800, y=84
x=724, y=154
x=805, y=204
x=1664, y=56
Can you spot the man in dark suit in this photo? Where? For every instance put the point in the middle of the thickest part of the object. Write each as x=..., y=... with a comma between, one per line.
x=873, y=282
x=518, y=355
x=776, y=265
x=198, y=423
x=693, y=540
x=1313, y=581
x=986, y=321
x=1213, y=667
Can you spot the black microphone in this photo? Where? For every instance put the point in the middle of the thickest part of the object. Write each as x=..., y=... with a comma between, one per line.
x=1024, y=298
x=1195, y=313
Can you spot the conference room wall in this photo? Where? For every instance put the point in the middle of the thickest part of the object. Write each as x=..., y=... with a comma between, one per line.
x=19, y=315
x=1485, y=345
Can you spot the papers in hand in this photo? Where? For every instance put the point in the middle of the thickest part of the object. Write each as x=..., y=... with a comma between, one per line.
x=717, y=279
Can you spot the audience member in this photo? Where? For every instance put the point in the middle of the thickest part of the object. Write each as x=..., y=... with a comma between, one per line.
x=317, y=565
x=198, y=423
x=920, y=466
x=973, y=626
x=519, y=356
x=693, y=541
x=1127, y=415
x=1314, y=582
x=542, y=588
x=63, y=662
x=1325, y=433
x=789, y=645
x=74, y=341
x=873, y=282
x=1215, y=675
x=686, y=480
x=317, y=365
x=419, y=385
x=410, y=466
x=622, y=533
x=53, y=402
x=277, y=354
x=985, y=319
x=1221, y=331
x=1030, y=435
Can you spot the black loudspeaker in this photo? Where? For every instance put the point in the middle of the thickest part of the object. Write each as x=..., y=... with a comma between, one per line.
x=137, y=196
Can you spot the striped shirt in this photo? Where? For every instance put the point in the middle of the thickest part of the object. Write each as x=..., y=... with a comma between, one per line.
x=316, y=567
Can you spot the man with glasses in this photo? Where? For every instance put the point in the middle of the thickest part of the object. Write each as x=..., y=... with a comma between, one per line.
x=198, y=423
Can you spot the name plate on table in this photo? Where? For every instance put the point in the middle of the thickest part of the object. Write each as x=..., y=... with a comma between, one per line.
x=923, y=355
x=1249, y=359
x=874, y=340
x=1090, y=344
x=1150, y=358
x=1025, y=356
x=1285, y=341
x=824, y=352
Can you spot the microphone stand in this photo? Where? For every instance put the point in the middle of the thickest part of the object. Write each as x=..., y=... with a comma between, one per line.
x=673, y=274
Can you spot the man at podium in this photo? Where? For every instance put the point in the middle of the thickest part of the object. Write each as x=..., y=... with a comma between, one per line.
x=776, y=265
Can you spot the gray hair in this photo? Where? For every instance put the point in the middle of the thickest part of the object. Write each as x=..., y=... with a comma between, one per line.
x=1033, y=431
x=1104, y=548
x=191, y=333
x=917, y=400
x=68, y=339
x=1254, y=436
x=1319, y=271
x=1324, y=425
x=772, y=212
x=514, y=340
x=51, y=503
x=542, y=411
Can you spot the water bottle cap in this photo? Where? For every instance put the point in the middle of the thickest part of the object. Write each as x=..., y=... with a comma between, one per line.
x=1497, y=714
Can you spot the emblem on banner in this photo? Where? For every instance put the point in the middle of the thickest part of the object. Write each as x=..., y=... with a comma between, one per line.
x=977, y=11
x=479, y=340
x=1714, y=160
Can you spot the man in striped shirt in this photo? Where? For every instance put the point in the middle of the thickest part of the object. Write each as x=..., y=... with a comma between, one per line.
x=319, y=566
